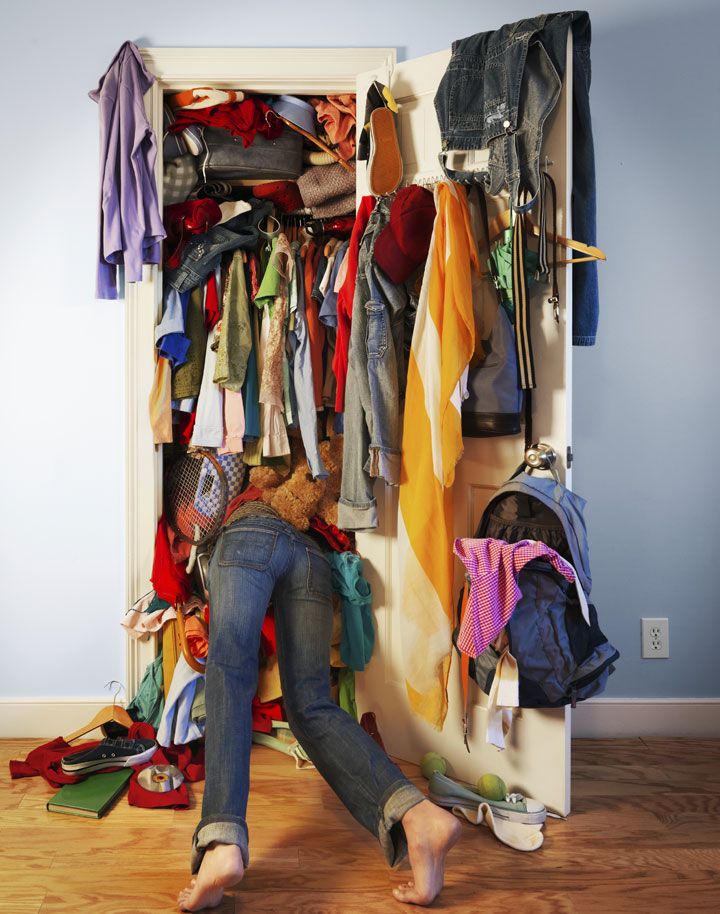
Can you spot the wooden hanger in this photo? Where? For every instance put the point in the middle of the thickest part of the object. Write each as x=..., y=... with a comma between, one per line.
x=112, y=713
x=499, y=225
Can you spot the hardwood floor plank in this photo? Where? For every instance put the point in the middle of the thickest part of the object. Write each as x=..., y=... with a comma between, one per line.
x=117, y=901
x=644, y=834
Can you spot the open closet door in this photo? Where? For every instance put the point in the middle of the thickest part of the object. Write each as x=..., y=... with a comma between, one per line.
x=537, y=758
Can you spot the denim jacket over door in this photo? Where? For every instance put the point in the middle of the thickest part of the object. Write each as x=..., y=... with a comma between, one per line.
x=496, y=95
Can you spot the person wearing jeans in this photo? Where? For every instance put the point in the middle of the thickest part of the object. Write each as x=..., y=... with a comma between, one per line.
x=261, y=558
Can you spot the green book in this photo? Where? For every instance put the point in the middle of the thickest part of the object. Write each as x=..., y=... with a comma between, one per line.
x=92, y=797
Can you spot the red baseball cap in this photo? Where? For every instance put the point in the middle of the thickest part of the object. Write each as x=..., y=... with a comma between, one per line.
x=403, y=244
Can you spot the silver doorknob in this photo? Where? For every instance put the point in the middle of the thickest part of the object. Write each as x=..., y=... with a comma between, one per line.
x=540, y=456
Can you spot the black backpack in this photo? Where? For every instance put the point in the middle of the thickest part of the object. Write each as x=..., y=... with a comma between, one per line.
x=562, y=657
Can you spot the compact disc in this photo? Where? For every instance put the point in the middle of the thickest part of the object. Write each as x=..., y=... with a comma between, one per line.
x=160, y=778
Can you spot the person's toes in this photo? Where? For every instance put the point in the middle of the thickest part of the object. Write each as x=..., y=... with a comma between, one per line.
x=410, y=895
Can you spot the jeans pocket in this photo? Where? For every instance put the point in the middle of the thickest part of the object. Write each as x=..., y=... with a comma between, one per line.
x=478, y=102
x=248, y=547
x=376, y=339
x=318, y=574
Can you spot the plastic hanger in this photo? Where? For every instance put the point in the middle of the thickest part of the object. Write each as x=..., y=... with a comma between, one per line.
x=112, y=713
x=499, y=224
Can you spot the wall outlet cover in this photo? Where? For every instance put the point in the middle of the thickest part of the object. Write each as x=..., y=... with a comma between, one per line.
x=655, y=639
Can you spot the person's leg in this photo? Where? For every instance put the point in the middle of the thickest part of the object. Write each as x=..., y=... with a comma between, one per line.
x=244, y=565
x=370, y=785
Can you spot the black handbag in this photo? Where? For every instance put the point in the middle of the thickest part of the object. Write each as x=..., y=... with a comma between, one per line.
x=225, y=157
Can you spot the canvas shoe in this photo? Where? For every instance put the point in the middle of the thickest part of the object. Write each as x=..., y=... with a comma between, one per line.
x=111, y=753
x=378, y=141
x=514, y=808
x=385, y=167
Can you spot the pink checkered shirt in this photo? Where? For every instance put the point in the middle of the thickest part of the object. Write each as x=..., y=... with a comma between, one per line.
x=493, y=567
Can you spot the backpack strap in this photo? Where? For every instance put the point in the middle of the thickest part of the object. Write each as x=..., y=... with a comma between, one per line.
x=582, y=596
x=504, y=697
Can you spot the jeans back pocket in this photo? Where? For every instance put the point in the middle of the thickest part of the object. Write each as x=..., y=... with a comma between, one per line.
x=248, y=547
x=319, y=576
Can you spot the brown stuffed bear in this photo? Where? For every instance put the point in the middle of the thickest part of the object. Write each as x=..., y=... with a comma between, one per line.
x=297, y=496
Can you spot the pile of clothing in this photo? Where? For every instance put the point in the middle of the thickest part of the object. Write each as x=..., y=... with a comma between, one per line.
x=171, y=695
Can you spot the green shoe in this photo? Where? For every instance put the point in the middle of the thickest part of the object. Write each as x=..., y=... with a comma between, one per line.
x=514, y=808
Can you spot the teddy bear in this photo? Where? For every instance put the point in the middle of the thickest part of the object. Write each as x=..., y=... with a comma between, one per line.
x=296, y=496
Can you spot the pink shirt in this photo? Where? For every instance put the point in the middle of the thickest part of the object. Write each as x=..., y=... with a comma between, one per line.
x=493, y=567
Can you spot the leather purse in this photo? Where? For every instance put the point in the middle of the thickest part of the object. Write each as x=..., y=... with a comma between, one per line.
x=224, y=157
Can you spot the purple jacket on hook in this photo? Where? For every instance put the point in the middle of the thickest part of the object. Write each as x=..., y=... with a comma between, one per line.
x=131, y=226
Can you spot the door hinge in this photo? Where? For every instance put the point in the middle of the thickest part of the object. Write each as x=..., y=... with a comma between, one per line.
x=568, y=462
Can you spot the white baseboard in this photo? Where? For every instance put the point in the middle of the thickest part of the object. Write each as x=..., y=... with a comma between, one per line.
x=607, y=718
x=599, y=718
x=46, y=717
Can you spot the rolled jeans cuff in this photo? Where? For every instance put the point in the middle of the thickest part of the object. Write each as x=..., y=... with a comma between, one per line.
x=384, y=463
x=401, y=796
x=357, y=517
x=224, y=830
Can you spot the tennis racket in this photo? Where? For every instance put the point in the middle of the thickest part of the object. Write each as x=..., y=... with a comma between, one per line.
x=195, y=496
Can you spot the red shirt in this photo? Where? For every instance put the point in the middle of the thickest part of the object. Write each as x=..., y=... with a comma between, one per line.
x=345, y=301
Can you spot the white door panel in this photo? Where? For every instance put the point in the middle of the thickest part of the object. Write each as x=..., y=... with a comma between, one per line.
x=537, y=757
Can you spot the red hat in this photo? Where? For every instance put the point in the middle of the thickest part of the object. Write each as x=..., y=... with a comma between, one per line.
x=403, y=244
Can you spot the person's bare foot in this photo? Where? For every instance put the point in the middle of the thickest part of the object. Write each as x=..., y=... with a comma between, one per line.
x=430, y=832
x=221, y=868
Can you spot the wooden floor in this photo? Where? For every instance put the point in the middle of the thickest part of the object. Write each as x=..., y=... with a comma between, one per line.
x=644, y=836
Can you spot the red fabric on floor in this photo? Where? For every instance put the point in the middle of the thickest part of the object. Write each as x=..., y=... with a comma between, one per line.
x=45, y=761
x=190, y=759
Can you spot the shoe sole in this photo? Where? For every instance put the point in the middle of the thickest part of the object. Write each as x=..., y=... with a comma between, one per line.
x=385, y=167
x=80, y=767
x=525, y=818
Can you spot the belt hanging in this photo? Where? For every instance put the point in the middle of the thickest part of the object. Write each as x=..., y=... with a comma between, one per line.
x=547, y=184
x=521, y=299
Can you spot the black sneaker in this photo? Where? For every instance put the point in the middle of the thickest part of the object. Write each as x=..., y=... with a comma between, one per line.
x=111, y=753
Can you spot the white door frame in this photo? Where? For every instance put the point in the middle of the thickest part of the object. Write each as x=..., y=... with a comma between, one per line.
x=273, y=70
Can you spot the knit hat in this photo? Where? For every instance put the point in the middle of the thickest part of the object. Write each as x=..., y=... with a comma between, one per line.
x=327, y=190
x=403, y=244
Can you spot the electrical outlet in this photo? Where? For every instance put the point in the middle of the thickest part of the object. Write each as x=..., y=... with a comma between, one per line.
x=655, y=638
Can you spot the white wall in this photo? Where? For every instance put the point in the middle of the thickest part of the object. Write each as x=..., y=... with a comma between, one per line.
x=646, y=397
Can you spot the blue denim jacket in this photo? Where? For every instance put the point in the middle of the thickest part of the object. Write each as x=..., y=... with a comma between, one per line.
x=202, y=253
x=496, y=94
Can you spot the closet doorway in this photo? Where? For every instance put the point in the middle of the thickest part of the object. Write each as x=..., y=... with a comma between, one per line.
x=537, y=758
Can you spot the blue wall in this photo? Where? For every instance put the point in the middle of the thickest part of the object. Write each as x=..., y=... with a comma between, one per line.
x=646, y=427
